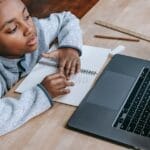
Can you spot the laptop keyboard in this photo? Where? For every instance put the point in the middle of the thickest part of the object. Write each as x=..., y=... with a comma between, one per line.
x=135, y=114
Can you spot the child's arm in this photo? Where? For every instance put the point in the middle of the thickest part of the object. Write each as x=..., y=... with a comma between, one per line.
x=14, y=112
x=64, y=26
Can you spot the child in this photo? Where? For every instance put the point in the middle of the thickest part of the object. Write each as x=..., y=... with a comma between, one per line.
x=22, y=42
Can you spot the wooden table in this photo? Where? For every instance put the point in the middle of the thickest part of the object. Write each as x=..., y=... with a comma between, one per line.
x=48, y=131
x=42, y=8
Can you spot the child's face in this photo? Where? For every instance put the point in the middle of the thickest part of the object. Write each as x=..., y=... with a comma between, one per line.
x=17, y=30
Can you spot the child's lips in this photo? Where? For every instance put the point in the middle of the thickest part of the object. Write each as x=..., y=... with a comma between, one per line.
x=32, y=41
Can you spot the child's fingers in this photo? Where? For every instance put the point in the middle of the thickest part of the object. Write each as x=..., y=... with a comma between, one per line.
x=55, y=76
x=64, y=91
x=68, y=67
x=78, y=66
x=62, y=87
x=63, y=83
x=45, y=55
x=73, y=67
x=53, y=54
x=69, y=83
x=58, y=81
x=62, y=64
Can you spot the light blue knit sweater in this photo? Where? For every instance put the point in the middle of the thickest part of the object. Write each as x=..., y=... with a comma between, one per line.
x=14, y=113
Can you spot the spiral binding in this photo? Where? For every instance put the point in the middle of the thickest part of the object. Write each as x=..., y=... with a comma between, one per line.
x=52, y=64
x=86, y=71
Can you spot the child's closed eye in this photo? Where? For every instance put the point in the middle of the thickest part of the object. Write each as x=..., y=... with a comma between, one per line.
x=27, y=17
x=12, y=30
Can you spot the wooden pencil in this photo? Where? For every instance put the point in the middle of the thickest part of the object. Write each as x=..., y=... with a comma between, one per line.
x=123, y=30
x=117, y=38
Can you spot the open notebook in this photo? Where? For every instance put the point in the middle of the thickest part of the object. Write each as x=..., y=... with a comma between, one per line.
x=92, y=62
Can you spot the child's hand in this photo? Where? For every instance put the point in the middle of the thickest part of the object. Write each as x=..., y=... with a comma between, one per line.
x=56, y=84
x=69, y=60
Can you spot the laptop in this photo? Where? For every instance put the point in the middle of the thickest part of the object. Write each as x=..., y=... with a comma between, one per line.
x=117, y=108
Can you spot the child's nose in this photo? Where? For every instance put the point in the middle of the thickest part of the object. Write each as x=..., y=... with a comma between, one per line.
x=27, y=29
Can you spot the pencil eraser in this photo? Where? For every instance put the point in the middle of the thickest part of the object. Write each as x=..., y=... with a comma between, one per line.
x=117, y=50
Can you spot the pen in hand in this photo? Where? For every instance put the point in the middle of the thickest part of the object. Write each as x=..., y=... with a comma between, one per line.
x=55, y=64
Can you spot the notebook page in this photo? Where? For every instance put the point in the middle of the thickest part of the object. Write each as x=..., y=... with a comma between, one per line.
x=92, y=59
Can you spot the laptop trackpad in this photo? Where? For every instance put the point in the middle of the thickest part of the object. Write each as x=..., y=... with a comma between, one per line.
x=110, y=90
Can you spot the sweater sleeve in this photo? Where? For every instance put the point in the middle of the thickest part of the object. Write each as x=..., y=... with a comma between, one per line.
x=66, y=27
x=15, y=112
